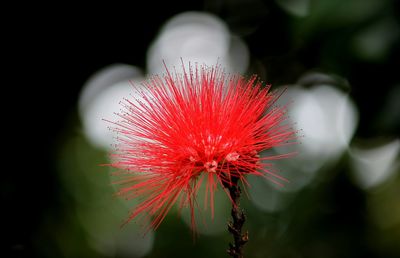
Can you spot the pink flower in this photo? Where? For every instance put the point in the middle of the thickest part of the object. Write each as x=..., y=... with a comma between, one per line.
x=202, y=126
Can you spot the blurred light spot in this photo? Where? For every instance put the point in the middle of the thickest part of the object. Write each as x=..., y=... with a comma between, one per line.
x=196, y=37
x=239, y=56
x=311, y=120
x=99, y=99
x=205, y=224
x=102, y=79
x=374, y=42
x=102, y=107
x=326, y=120
x=299, y=8
x=372, y=166
x=341, y=118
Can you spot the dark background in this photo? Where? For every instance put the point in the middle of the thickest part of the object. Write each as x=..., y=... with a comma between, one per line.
x=54, y=49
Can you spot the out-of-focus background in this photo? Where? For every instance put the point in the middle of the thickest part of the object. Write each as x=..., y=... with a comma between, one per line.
x=339, y=61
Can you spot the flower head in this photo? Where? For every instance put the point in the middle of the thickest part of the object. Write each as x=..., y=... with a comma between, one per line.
x=202, y=126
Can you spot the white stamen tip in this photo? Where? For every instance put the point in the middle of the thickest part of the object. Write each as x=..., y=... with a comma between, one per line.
x=233, y=156
x=211, y=166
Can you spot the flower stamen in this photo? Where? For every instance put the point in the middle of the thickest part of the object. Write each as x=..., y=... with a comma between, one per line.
x=211, y=167
x=232, y=156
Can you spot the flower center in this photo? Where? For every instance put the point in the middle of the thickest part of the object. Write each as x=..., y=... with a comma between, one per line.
x=211, y=167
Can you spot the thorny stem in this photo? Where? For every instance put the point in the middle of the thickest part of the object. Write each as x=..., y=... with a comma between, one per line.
x=235, y=226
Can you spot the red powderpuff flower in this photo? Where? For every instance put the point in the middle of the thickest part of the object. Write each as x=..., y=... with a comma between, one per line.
x=202, y=126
